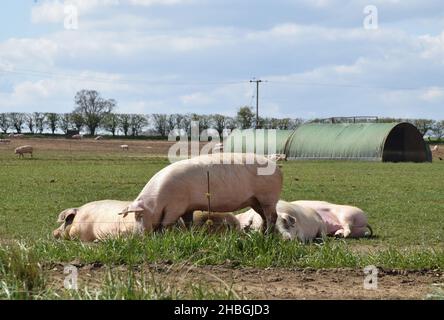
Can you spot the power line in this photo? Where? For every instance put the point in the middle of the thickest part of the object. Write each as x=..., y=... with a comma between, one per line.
x=72, y=77
x=116, y=81
x=358, y=86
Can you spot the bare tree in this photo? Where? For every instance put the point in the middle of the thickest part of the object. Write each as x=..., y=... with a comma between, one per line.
x=93, y=108
x=51, y=120
x=423, y=125
x=29, y=120
x=160, y=123
x=17, y=120
x=39, y=121
x=186, y=123
x=124, y=123
x=137, y=123
x=295, y=123
x=171, y=122
x=205, y=122
x=179, y=118
x=78, y=120
x=221, y=122
x=5, y=123
x=111, y=123
x=65, y=122
x=438, y=130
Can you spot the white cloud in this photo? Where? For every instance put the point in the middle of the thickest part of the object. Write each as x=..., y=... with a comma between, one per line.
x=53, y=11
x=149, y=3
x=28, y=52
x=433, y=47
x=197, y=98
x=433, y=94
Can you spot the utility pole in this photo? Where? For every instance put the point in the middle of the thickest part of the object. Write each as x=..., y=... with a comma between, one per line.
x=257, y=101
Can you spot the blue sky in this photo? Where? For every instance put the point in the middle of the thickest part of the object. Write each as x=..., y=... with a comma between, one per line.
x=165, y=56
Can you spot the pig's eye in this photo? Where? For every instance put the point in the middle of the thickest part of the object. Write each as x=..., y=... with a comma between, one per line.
x=69, y=219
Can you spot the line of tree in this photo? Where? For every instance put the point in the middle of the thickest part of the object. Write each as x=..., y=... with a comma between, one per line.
x=93, y=112
x=130, y=124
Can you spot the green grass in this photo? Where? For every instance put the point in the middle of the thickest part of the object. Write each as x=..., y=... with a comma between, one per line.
x=252, y=250
x=404, y=202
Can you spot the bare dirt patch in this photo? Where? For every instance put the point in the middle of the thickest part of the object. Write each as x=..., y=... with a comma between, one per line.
x=438, y=155
x=277, y=283
x=90, y=145
x=67, y=146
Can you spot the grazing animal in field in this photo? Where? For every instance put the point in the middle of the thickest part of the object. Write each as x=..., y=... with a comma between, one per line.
x=16, y=135
x=98, y=138
x=124, y=147
x=277, y=157
x=293, y=222
x=341, y=220
x=181, y=188
x=5, y=141
x=218, y=147
x=77, y=137
x=435, y=148
x=21, y=151
x=215, y=222
x=96, y=221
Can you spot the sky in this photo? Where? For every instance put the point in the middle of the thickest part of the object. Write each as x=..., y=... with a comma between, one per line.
x=318, y=58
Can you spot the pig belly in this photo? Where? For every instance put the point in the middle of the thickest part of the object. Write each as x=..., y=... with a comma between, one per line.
x=330, y=221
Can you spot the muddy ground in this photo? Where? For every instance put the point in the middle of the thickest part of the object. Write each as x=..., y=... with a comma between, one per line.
x=276, y=283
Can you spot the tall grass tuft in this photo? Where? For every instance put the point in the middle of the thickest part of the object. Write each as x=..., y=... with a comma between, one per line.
x=22, y=276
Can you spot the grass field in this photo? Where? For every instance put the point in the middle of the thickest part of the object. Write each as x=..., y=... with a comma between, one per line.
x=404, y=202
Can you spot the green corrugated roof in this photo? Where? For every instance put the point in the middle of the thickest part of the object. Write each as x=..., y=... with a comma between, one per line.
x=346, y=141
x=363, y=141
x=259, y=137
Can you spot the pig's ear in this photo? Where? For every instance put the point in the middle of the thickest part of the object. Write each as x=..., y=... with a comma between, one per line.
x=288, y=221
x=67, y=216
x=136, y=207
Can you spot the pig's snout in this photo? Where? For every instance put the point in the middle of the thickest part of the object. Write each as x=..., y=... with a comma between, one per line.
x=57, y=234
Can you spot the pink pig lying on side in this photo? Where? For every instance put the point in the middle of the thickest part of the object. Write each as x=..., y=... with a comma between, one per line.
x=294, y=222
x=179, y=189
x=96, y=221
x=341, y=220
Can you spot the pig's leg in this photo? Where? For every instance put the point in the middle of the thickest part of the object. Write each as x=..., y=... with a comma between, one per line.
x=271, y=217
x=344, y=232
x=172, y=214
x=257, y=207
x=188, y=219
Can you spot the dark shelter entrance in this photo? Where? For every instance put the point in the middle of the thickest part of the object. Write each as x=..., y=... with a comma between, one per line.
x=405, y=144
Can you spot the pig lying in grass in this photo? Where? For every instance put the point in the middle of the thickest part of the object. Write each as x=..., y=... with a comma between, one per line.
x=215, y=222
x=293, y=222
x=341, y=220
x=180, y=189
x=96, y=221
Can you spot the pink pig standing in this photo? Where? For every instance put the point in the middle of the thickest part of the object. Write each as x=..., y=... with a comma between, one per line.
x=181, y=188
x=341, y=220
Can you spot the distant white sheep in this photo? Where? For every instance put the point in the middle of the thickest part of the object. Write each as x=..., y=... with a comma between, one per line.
x=98, y=138
x=24, y=149
x=124, y=147
x=435, y=148
x=277, y=157
x=77, y=137
x=219, y=147
x=5, y=141
x=16, y=135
